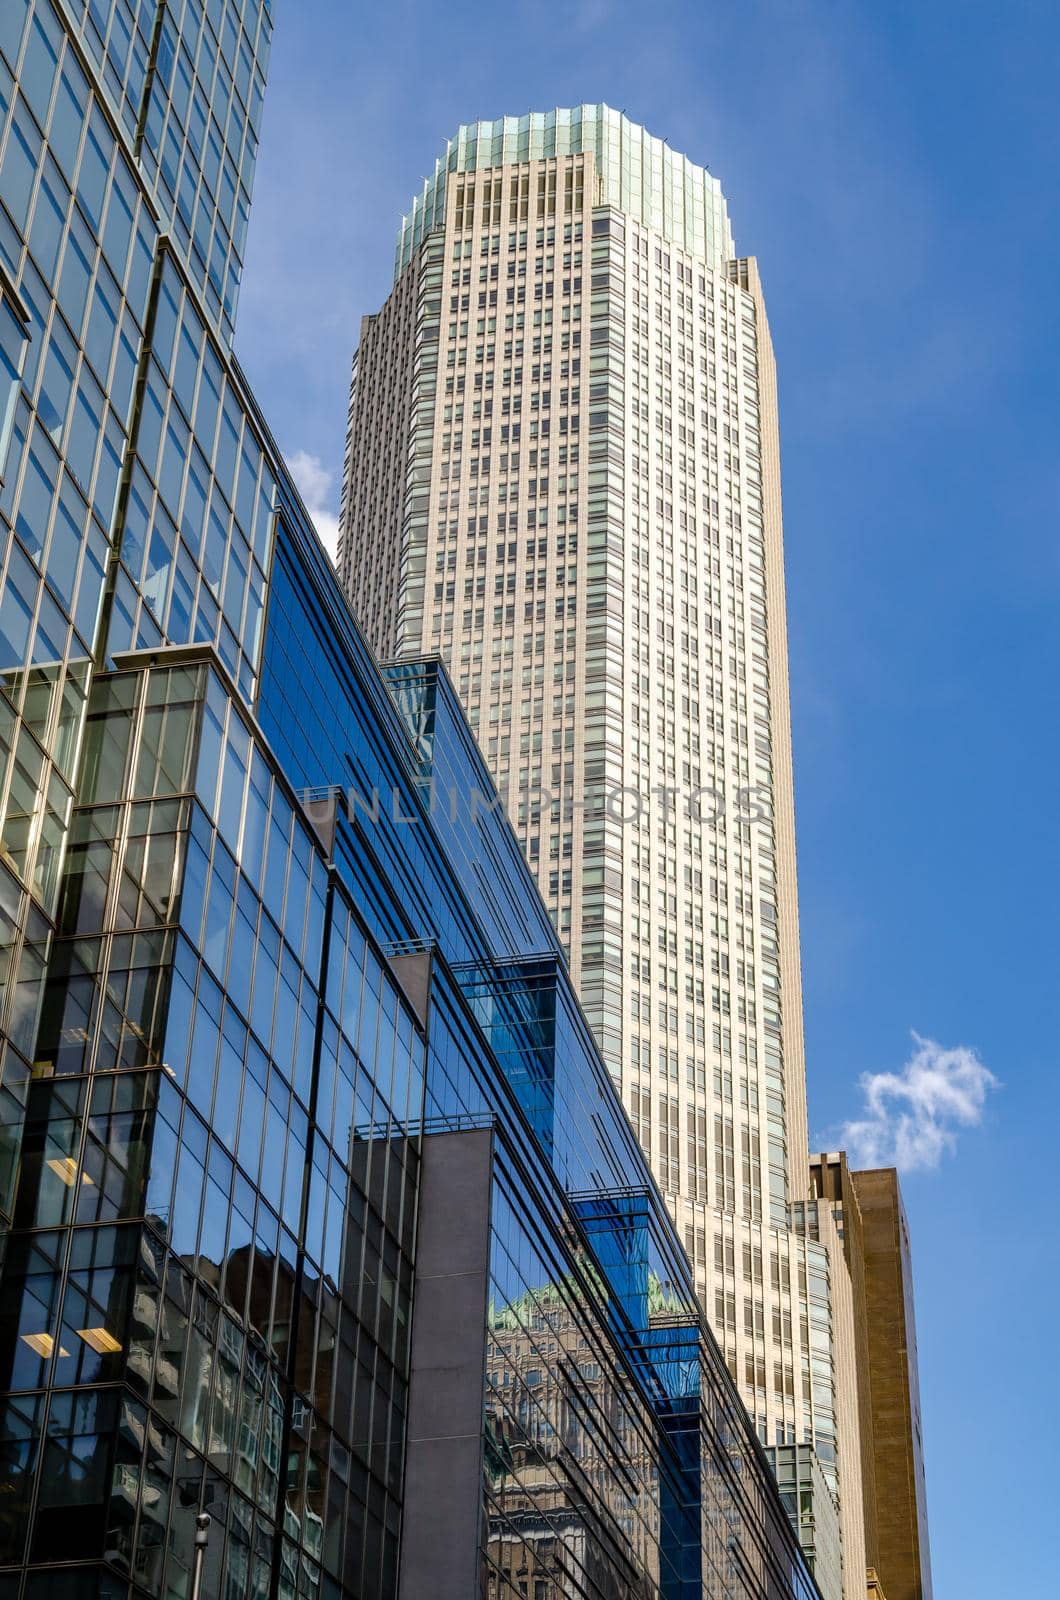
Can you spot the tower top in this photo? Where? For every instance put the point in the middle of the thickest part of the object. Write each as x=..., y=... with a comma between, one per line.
x=640, y=175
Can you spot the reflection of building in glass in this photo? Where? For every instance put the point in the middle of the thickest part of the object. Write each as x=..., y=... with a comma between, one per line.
x=302, y=1130
x=195, y=1218
x=550, y=1396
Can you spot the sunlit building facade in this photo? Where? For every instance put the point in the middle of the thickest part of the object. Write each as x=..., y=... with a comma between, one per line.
x=864, y=1216
x=562, y=473
x=319, y=1210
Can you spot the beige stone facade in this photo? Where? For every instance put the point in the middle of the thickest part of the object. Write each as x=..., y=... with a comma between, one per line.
x=903, y=1556
x=876, y=1345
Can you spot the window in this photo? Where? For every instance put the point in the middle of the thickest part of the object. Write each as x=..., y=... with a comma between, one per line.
x=14, y=337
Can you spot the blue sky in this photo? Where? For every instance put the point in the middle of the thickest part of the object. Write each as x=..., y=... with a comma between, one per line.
x=893, y=167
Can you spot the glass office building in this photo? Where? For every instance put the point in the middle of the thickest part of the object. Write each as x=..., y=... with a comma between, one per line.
x=319, y=1210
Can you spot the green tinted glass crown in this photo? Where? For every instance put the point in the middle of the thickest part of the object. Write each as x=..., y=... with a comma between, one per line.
x=640, y=174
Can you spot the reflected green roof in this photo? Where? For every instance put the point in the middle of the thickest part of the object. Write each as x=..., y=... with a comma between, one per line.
x=641, y=175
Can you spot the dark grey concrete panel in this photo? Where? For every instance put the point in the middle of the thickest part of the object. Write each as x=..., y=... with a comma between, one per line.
x=413, y=972
x=441, y=1529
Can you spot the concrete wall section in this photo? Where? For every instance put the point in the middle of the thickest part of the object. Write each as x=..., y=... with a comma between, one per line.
x=442, y=1535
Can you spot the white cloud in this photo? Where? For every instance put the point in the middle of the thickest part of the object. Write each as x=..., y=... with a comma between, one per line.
x=314, y=483
x=913, y=1116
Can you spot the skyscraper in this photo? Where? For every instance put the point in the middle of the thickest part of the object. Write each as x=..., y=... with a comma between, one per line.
x=562, y=474
x=318, y=1210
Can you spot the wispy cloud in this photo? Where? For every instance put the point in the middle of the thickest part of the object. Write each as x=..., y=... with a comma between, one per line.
x=316, y=485
x=913, y=1116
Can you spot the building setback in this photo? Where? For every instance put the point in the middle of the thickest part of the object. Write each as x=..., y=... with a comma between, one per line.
x=320, y=1213
x=563, y=475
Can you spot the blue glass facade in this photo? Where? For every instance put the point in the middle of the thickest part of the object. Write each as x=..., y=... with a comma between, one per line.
x=266, y=939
